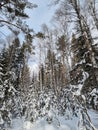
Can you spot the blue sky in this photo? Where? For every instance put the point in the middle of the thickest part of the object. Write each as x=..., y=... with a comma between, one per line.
x=42, y=14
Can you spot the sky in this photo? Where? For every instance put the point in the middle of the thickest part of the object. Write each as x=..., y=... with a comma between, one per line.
x=42, y=14
x=38, y=16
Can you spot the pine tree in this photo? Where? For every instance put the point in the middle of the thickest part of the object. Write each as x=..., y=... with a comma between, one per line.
x=12, y=62
x=7, y=90
x=62, y=44
x=25, y=82
x=14, y=11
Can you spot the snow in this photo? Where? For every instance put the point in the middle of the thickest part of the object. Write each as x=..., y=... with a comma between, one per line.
x=79, y=86
x=94, y=117
x=94, y=96
x=41, y=124
x=64, y=124
x=18, y=124
x=1, y=120
x=94, y=91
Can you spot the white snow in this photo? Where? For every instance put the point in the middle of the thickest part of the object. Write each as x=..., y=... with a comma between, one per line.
x=42, y=124
x=94, y=117
x=64, y=124
x=18, y=124
x=80, y=85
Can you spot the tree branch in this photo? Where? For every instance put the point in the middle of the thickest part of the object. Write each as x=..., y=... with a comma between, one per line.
x=2, y=4
x=4, y=21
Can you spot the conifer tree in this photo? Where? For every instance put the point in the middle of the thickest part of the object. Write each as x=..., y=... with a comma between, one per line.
x=7, y=90
x=14, y=12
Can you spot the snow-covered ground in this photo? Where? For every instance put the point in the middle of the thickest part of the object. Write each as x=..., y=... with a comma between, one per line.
x=61, y=124
x=41, y=124
x=94, y=117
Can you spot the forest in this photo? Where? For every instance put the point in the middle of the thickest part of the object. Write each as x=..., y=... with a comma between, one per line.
x=61, y=92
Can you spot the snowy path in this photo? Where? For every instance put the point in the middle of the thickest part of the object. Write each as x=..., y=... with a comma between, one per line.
x=41, y=124
x=94, y=117
x=19, y=124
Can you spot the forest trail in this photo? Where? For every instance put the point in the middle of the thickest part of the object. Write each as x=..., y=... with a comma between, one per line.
x=20, y=124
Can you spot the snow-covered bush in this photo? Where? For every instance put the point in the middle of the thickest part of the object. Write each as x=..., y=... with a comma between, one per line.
x=49, y=106
x=39, y=104
x=93, y=99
